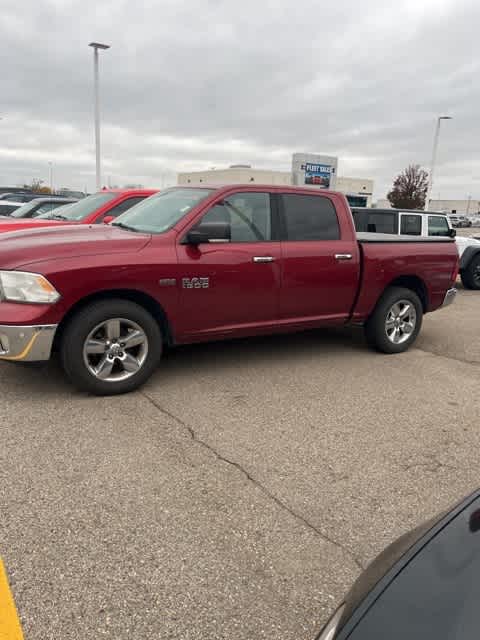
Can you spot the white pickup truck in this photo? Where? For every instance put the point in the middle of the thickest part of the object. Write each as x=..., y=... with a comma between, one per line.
x=423, y=224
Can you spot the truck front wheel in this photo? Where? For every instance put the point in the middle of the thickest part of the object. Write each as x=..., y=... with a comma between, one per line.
x=395, y=322
x=111, y=347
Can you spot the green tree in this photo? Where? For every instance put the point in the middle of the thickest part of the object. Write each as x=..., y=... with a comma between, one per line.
x=409, y=188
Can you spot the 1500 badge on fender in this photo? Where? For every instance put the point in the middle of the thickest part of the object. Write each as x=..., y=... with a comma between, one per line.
x=195, y=283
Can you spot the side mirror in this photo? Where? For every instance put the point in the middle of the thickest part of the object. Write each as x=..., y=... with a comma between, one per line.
x=452, y=233
x=209, y=232
x=108, y=219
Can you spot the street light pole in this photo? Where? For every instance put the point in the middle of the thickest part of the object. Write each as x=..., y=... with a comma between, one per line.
x=434, y=159
x=50, y=178
x=96, y=46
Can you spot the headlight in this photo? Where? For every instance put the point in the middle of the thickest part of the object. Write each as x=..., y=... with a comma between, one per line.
x=20, y=286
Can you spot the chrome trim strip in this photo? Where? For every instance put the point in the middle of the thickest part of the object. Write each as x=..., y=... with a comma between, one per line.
x=262, y=259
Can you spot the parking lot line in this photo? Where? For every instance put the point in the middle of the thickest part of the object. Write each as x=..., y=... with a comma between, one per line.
x=10, y=627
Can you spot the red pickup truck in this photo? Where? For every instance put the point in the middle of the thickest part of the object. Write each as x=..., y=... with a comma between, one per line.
x=198, y=263
x=90, y=210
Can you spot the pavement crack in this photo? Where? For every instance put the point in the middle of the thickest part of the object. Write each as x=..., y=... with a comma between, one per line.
x=441, y=355
x=278, y=501
x=432, y=465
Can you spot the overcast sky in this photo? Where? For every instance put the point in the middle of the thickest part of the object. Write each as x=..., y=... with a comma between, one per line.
x=201, y=83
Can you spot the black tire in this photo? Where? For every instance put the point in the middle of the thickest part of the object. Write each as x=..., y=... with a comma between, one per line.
x=84, y=322
x=376, y=330
x=471, y=274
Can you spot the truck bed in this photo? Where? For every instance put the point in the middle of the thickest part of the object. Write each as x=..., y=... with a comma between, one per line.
x=425, y=263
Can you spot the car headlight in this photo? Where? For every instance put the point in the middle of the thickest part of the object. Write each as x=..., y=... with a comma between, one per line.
x=20, y=286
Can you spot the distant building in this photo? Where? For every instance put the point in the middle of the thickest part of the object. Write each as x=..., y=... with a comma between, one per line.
x=358, y=190
x=236, y=174
x=307, y=169
x=464, y=207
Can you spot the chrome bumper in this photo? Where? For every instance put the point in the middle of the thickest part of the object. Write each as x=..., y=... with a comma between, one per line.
x=26, y=344
x=449, y=297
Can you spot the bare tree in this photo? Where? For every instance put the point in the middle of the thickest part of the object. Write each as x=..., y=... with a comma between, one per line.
x=36, y=186
x=409, y=188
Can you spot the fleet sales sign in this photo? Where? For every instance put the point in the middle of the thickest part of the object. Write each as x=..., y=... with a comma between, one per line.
x=318, y=174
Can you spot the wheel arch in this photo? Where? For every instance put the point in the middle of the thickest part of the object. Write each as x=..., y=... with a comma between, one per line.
x=415, y=284
x=133, y=295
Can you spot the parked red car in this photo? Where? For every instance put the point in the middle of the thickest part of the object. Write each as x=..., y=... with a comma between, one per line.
x=198, y=263
x=90, y=210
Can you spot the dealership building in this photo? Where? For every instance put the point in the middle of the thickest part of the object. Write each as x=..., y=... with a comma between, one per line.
x=469, y=207
x=313, y=170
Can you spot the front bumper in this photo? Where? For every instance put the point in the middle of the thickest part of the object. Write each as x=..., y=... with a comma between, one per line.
x=449, y=297
x=26, y=343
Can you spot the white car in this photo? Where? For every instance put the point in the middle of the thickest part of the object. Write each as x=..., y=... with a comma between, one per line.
x=423, y=224
x=8, y=206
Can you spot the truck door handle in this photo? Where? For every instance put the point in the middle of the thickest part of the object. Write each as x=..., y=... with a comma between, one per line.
x=343, y=256
x=262, y=259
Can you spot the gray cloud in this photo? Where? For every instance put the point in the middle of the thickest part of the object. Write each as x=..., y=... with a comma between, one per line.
x=208, y=83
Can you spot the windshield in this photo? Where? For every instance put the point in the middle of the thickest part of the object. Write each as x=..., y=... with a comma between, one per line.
x=24, y=210
x=82, y=209
x=161, y=211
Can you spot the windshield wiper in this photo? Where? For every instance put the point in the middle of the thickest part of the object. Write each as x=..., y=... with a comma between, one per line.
x=122, y=225
x=57, y=216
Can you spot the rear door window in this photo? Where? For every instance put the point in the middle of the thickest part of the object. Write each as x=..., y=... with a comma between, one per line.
x=438, y=226
x=411, y=224
x=309, y=217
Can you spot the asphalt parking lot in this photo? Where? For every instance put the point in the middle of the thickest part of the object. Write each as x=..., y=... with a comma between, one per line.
x=241, y=491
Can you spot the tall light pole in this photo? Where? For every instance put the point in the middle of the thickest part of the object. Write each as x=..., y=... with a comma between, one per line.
x=434, y=158
x=50, y=177
x=96, y=46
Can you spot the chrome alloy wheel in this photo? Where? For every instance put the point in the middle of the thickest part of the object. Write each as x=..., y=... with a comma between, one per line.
x=401, y=321
x=115, y=349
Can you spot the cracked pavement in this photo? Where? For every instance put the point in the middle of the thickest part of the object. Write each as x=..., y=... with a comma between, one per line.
x=239, y=492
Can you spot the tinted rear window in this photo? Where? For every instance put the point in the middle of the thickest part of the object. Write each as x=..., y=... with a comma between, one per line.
x=411, y=225
x=382, y=223
x=309, y=217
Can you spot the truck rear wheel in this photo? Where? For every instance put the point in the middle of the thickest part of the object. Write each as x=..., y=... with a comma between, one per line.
x=395, y=322
x=111, y=347
x=471, y=274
